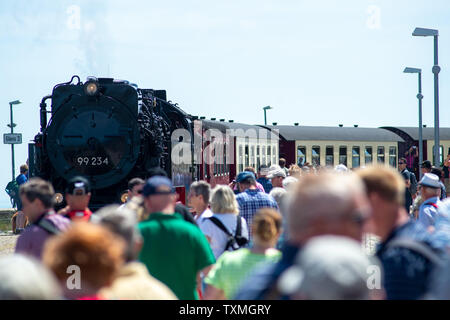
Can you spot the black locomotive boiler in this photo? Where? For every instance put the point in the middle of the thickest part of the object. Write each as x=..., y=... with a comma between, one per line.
x=108, y=131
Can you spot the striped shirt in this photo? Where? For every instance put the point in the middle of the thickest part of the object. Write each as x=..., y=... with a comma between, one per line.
x=233, y=267
x=250, y=201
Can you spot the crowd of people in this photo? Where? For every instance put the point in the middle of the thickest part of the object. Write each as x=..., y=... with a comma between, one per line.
x=274, y=233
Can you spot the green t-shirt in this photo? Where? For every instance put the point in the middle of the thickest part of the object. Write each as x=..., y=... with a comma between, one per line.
x=233, y=267
x=174, y=252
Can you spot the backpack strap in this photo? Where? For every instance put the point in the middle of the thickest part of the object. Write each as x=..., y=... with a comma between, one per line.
x=47, y=225
x=418, y=247
x=219, y=224
x=238, y=226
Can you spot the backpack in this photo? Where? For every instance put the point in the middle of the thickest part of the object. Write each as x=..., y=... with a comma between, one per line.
x=413, y=186
x=12, y=189
x=419, y=247
x=234, y=242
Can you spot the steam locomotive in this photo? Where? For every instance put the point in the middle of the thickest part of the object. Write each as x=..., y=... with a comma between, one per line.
x=108, y=131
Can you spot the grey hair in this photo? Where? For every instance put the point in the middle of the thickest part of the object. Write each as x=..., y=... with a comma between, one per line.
x=202, y=188
x=279, y=194
x=122, y=222
x=24, y=278
x=289, y=182
x=223, y=200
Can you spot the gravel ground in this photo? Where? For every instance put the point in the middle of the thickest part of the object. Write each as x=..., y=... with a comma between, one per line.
x=7, y=243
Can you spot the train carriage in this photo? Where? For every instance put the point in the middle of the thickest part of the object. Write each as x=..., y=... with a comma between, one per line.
x=330, y=146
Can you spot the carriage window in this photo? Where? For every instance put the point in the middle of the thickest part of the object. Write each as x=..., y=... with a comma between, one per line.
x=329, y=156
x=263, y=151
x=393, y=156
x=315, y=156
x=269, y=155
x=301, y=155
x=380, y=154
x=252, y=156
x=241, y=158
x=343, y=155
x=246, y=156
x=356, y=158
x=368, y=155
x=274, y=154
x=224, y=162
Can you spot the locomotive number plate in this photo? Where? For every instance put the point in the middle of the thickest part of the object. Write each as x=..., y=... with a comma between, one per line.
x=92, y=161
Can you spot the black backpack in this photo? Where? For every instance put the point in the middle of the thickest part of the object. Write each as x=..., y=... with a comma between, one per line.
x=413, y=186
x=12, y=189
x=234, y=242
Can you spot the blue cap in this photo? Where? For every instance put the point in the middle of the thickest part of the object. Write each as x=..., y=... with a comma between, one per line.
x=157, y=185
x=244, y=176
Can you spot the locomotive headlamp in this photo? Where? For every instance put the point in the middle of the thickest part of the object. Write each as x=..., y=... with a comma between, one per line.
x=58, y=198
x=124, y=197
x=91, y=88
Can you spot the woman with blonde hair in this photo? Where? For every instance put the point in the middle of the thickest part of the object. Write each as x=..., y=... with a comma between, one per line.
x=233, y=267
x=225, y=216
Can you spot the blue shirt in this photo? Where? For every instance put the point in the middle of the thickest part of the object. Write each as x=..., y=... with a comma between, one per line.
x=406, y=273
x=266, y=183
x=428, y=212
x=250, y=201
x=260, y=282
x=21, y=179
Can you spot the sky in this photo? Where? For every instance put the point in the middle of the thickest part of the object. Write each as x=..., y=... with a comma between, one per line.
x=317, y=63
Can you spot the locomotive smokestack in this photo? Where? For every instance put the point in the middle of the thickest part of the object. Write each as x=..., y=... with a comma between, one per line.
x=43, y=112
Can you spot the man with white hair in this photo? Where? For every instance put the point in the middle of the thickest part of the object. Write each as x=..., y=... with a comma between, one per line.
x=430, y=193
x=324, y=204
x=23, y=278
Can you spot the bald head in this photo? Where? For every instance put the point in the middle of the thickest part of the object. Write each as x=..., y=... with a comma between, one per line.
x=327, y=203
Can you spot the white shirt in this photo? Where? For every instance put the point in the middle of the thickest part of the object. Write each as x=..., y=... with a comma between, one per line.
x=218, y=238
x=205, y=214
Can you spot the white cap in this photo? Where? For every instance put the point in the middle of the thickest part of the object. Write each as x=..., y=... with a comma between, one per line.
x=341, y=168
x=430, y=180
x=276, y=173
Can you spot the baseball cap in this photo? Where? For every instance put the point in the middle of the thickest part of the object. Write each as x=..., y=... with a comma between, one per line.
x=430, y=180
x=245, y=175
x=78, y=186
x=426, y=164
x=157, y=185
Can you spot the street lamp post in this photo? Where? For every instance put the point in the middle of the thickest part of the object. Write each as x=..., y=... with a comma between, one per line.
x=12, y=125
x=419, y=97
x=422, y=32
x=265, y=117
